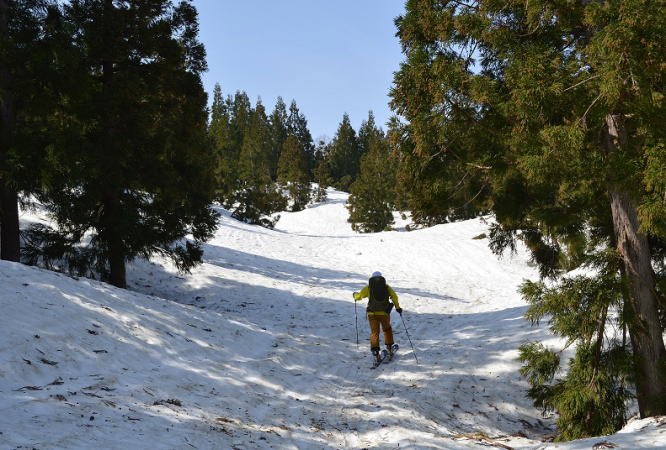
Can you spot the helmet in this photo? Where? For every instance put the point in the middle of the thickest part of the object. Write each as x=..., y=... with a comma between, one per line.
x=376, y=274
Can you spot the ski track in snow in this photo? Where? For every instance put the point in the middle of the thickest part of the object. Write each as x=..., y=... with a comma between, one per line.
x=258, y=347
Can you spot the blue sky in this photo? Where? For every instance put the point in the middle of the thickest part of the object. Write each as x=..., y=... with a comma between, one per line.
x=330, y=56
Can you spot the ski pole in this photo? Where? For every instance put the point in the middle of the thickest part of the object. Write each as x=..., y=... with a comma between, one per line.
x=356, y=314
x=410, y=339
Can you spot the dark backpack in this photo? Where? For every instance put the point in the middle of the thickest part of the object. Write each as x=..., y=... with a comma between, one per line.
x=379, y=295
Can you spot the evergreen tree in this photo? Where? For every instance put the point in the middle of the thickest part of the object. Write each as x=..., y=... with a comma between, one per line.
x=554, y=108
x=293, y=173
x=322, y=172
x=222, y=135
x=254, y=163
x=297, y=126
x=279, y=132
x=136, y=173
x=32, y=50
x=400, y=148
x=257, y=197
x=372, y=194
x=367, y=133
x=344, y=155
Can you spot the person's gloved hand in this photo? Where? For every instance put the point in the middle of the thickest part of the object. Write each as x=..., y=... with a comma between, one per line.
x=355, y=294
x=399, y=311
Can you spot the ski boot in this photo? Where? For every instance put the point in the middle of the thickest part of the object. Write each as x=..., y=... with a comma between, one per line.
x=376, y=357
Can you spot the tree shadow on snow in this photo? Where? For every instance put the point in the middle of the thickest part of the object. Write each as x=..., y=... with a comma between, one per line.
x=467, y=379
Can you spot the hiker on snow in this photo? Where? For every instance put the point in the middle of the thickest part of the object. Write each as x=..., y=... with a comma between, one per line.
x=379, y=311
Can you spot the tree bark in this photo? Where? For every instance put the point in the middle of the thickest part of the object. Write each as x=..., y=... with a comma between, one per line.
x=114, y=241
x=645, y=330
x=9, y=217
x=112, y=206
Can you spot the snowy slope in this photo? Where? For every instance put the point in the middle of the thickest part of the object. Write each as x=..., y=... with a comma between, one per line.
x=258, y=347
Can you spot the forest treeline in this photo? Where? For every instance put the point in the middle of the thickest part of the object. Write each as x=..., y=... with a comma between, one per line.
x=268, y=162
x=104, y=123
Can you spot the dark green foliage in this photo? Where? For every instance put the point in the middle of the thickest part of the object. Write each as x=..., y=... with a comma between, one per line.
x=540, y=367
x=54, y=250
x=136, y=170
x=368, y=133
x=653, y=208
x=221, y=133
x=344, y=155
x=256, y=204
x=254, y=161
x=34, y=53
x=297, y=126
x=257, y=197
x=550, y=114
x=436, y=188
x=293, y=173
x=251, y=166
x=322, y=171
x=279, y=132
x=372, y=194
x=590, y=398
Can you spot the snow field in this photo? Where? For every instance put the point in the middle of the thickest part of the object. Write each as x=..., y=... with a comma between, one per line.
x=257, y=347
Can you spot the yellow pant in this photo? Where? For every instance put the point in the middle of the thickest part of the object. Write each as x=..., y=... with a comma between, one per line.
x=375, y=321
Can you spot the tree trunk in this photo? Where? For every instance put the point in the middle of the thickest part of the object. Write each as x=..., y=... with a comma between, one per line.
x=9, y=218
x=645, y=330
x=114, y=242
x=112, y=206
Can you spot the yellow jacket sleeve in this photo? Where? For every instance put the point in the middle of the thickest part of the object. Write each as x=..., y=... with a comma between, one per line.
x=365, y=292
x=393, y=296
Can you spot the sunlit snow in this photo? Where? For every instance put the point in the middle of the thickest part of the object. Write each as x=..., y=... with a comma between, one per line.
x=256, y=348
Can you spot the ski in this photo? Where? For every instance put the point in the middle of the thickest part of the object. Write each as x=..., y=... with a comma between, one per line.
x=382, y=356
x=392, y=354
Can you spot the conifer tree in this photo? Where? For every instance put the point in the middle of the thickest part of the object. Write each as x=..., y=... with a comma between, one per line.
x=344, y=155
x=257, y=197
x=322, y=171
x=279, y=132
x=556, y=108
x=297, y=126
x=367, y=133
x=222, y=135
x=372, y=194
x=400, y=148
x=293, y=173
x=254, y=163
x=31, y=50
x=136, y=173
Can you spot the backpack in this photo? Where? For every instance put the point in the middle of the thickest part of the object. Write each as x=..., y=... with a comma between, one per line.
x=379, y=295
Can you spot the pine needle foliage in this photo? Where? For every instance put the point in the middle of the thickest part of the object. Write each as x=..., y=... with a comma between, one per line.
x=293, y=170
x=344, y=155
x=131, y=171
x=550, y=115
x=372, y=195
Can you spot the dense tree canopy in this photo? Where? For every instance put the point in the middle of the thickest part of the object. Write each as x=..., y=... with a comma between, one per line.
x=372, y=198
x=134, y=173
x=33, y=58
x=550, y=114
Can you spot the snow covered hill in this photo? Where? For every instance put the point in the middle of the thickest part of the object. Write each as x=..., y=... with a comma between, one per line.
x=257, y=347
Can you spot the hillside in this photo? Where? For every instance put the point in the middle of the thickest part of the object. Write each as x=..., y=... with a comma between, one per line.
x=256, y=348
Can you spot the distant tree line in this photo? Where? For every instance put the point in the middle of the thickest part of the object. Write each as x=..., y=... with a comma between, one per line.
x=104, y=124
x=267, y=163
